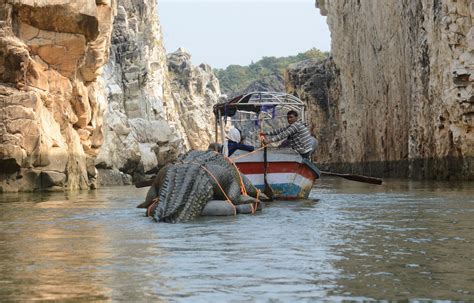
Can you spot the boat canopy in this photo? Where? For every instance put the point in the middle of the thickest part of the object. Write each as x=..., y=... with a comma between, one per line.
x=256, y=102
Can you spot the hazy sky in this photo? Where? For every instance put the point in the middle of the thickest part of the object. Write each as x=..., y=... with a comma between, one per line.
x=224, y=32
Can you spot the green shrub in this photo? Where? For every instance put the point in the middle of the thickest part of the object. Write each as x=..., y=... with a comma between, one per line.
x=235, y=78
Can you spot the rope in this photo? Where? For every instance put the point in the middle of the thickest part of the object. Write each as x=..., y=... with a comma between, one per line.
x=253, y=206
x=218, y=184
x=155, y=201
x=242, y=186
x=247, y=154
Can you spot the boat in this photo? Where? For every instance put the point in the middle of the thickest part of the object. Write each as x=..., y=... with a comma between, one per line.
x=287, y=174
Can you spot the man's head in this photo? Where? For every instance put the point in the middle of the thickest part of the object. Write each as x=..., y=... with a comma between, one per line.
x=292, y=116
x=215, y=147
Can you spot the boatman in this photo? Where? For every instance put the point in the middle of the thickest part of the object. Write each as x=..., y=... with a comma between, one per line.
x=297, y=135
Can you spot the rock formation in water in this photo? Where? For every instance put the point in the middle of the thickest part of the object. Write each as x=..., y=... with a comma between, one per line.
x=399, y=96
x=72, y=118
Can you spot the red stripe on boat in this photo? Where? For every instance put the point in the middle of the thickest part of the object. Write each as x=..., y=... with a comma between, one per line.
x=249, y=168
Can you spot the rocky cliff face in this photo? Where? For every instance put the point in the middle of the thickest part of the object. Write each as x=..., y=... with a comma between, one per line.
x=50, y=56
x=142, y=127
x=158, y=106
x=404, y=106
x=73, y=118
x=195, y=90
x=317, y=82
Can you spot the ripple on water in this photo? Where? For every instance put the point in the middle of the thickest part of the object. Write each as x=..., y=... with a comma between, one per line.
x=350, y=241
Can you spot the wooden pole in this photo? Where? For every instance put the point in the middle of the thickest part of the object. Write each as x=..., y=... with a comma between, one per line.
x=358, y=178
x=222, y=128
x=216, y=127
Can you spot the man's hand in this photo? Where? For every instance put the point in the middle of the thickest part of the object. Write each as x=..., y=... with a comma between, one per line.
x=262, y=139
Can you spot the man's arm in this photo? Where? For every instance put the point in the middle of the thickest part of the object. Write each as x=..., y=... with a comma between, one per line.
x=288, y=131
x=245, y=147
x=276, y=131
x=235, y=146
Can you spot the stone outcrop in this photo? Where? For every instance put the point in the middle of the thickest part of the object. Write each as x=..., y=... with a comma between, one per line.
x=317, y=83
x=86, y=97
x=195, y=90
x=156, y=108
x=51, y=53
x=270, y=83
x=402, y=103
x=141, y=123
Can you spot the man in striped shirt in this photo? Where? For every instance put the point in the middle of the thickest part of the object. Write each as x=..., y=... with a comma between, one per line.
x=296, y=133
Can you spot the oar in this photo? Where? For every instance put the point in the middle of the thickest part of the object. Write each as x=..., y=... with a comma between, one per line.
x=268, y=190
x=352, y=177
x=144, y=183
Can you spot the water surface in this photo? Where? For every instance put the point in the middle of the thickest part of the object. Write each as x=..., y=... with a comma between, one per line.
x=350, y=241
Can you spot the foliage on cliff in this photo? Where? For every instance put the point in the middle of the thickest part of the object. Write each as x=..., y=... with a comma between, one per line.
x=265, y=74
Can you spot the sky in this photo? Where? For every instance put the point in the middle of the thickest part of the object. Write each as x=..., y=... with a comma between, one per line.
x=224, y=32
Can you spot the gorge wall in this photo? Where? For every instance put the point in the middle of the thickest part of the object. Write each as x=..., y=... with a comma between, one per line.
x=50, y=56
x=86, y=97
x=396, y=98
x=157, y=105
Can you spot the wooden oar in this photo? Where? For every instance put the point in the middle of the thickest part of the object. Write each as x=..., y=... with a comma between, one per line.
x=352, y=177
x=144, y=183
x=268, y=190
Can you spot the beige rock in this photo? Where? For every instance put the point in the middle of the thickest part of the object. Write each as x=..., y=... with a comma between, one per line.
x=403, y=94
x=18, y=112
x=148, y=156
x=48, y=63
x=81, y=105
x=83, y=134
x=62, y=51
x=195, y=91
x=67, y=16
x=72, y=105
x=15, y=156
x=98, y=50
x=52, y=178
x=141, y=112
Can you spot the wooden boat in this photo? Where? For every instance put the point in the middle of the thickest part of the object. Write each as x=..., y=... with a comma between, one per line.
x=289, y=176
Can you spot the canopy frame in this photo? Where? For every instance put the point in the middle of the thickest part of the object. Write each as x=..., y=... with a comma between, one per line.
x=258, y=103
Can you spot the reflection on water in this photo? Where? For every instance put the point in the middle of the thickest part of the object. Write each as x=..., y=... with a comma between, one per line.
x=354, y=241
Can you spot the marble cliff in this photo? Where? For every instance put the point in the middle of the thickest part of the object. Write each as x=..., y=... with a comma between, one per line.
x=51, y=120
x=396, y=98
x=155, y=104
x=86, y=95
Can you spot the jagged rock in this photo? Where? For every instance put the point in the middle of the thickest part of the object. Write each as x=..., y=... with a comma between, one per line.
x=195, y=91
x=141, y=115
x=108, y=177
x=52, y=178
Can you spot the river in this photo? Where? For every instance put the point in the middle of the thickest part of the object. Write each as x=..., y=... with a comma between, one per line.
x=350, y=241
